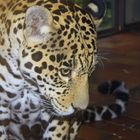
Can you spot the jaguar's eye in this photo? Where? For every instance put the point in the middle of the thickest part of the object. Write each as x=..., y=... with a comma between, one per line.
x=65, y=72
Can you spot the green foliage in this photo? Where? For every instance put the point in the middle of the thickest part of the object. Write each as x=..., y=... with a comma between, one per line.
x=108, y=19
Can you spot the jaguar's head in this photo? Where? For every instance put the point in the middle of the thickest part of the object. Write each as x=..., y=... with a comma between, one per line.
x=59, y=53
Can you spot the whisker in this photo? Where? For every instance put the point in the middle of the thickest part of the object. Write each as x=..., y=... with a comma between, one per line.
x=100, y=63
x=101, y=57
x=48, y=107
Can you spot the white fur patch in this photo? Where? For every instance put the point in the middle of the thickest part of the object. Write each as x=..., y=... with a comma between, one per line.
x=113, y=114
x=45, y=116
x=121, y=103
x=5, y=113
x=3, y=135
x=98, y=117
x=93, y=7
x=122, y=88
x=45, y=30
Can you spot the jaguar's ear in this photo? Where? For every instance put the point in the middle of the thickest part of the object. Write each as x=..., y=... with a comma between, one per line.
x=97, y=9
x=38, y=24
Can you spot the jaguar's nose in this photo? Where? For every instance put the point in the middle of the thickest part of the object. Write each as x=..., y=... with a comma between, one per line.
x=81, y=96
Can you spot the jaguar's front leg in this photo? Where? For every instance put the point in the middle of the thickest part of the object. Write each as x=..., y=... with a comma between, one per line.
x=57, y=130
x=61, y=128
x=74, y=128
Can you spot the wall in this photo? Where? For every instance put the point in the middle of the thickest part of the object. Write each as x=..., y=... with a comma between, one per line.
x=132, y=11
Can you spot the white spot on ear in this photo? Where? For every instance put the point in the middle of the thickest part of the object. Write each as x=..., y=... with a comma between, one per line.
x=93, y=7
x=45, y=30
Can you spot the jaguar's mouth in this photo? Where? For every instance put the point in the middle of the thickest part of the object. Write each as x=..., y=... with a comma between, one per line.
x=77, y=115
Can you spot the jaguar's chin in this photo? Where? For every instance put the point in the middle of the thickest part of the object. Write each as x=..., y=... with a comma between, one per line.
x=63, y=113
x=55, y=109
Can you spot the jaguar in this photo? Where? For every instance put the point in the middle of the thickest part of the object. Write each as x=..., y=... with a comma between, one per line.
x=47, y=52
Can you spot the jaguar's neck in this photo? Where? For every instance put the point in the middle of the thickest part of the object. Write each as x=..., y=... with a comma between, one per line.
x=11, y=40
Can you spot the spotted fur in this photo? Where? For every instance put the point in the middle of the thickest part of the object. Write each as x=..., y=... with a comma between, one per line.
x=47, y=52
